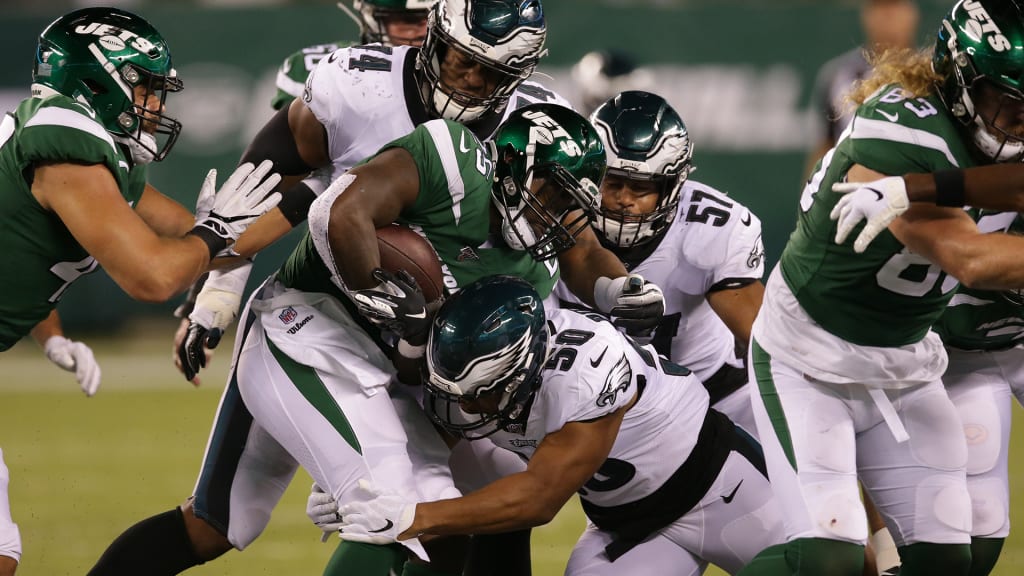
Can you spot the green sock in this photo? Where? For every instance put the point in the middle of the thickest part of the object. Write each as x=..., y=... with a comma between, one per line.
x=984, y=555
x=808, y=557
x=769, y=562
x=417, y=569
x=928, y=559
x=365, y=559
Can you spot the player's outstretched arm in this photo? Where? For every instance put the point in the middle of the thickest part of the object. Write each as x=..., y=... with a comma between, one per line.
x=145, y=265
x=877, y=200
x=563, y=462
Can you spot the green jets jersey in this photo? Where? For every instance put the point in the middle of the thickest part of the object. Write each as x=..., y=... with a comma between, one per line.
x=452, y=211
x=40, y=257
x=291, y=76
x=982, y=319
x=886, y=296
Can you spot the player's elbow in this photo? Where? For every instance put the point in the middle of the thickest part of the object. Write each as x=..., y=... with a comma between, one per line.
x=152, y=288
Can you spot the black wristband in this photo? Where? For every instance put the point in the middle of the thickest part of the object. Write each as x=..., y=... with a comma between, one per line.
x=295, y=203
x=214, y=243
x=949, y=188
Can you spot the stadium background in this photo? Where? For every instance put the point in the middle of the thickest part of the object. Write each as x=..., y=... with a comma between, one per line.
x=739, y=72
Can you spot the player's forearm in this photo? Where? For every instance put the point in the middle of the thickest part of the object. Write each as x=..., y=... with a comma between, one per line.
x=991, y=262
x=581, y=273
x=511, y=503
x=47, y=328
x=995, y=187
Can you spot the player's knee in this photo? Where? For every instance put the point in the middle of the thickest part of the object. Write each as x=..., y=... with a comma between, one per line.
x=929, y=558
x=948, y=501
x=840, y=516
x=207, y=542
x=989, y=508
x=816, y=556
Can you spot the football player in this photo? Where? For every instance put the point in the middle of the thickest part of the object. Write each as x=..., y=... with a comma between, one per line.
x=74, y=196
x=73, y=165
x=592, y=413
x=982, y=331
x=701, y=247
x=312, y=379
x=473, y=68
x=847, y=365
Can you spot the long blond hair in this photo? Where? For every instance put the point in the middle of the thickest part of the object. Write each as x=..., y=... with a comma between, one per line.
x=910, y=68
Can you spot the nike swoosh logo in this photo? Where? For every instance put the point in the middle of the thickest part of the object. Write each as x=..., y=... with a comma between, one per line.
x=877, y=192
x=746, y=221
x=462, y=143
x=384, y=529
x=421, y=314
x=890, y=117
x=596, y=363
x=732, y=494
x=332, y=57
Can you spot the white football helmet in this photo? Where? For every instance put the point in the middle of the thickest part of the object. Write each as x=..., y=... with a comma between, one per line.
x=505, y=37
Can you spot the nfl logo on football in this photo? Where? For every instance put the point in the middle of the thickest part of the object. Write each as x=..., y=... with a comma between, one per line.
x=288, y=315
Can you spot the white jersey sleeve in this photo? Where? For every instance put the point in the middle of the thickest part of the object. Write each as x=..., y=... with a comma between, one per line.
x=358, y=94
x=719, y=237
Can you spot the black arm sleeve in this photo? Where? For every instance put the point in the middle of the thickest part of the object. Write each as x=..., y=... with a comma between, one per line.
x=275, y=142
x=295, y=202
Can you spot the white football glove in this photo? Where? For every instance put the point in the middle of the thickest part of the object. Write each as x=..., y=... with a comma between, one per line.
x=878, y=202
x=74, y=357
x=244, y=197
x=322, y=509
x=636, y=304
x=378, y=520
x=215, y=310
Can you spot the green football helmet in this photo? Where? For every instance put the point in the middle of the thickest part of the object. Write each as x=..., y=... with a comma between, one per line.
x=101, y=56
x=646, y=141
x=372, y=16
x=979, y=53
x=505, y=37
x=486, y=349
x=557, y=146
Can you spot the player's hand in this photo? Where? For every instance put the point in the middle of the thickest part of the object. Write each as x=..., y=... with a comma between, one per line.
x=322, y=509
x=244, y=197
x=397, y=304
x=179, y=341
x=878, y=203
x=75, y=357
x=380, y=519
x=215, y=309
x=636, y=304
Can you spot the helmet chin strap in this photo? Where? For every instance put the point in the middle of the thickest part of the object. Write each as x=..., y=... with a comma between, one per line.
x=449, y=109
x=143, y=149
x=517, y=232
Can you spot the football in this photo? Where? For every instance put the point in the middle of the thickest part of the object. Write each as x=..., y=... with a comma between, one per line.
x=403, y=249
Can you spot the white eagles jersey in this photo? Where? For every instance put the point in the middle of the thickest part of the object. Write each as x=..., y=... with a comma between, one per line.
x=713, y=243
x=592, y=371
x=366, y=96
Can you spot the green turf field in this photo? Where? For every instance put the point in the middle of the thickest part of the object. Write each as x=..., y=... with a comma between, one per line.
x=82, y=470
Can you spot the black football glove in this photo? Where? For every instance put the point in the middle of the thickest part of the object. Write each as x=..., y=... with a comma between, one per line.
x=397, y=304
x=191, y=353
x=639, y=307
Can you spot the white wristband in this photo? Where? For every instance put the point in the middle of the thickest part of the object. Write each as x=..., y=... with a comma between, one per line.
x=607, y=291
x=409, y=351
